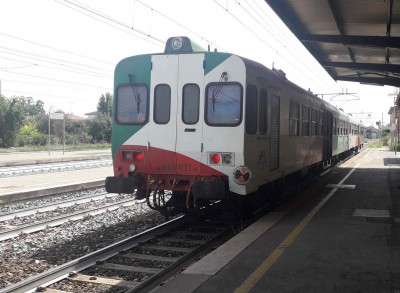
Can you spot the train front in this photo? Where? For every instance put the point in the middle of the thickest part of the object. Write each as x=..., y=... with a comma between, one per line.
x=176, y=128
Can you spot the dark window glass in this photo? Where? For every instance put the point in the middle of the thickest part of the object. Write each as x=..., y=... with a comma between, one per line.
x=294, y=127
x=251, y=109
x=224, y=104
x=162, y=103
x=263, y=122
x=305, y=127
x=131, y=104
x=190, y=103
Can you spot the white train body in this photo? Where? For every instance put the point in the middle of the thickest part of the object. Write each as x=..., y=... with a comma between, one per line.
x=206, y=121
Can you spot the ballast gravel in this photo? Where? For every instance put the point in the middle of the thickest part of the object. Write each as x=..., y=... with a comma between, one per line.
x=30, y=254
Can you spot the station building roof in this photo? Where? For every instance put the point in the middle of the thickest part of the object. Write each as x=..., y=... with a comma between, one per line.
x=354, y=40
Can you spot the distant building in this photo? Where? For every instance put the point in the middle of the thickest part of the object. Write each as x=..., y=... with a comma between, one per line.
x=91, y=115
x=75, y=117
x=371, y=132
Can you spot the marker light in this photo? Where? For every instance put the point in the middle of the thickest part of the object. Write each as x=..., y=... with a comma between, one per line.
x=138, y=156
x=215, y=158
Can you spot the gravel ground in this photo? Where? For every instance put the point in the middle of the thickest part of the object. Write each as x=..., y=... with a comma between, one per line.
x=8, y=208
x=37, y=217
x=29, y=254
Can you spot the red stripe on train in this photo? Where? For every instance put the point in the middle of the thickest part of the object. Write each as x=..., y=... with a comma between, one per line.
x=160, y=161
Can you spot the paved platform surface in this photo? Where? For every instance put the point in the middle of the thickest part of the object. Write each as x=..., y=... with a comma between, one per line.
x=340, y=235
x=27, y=187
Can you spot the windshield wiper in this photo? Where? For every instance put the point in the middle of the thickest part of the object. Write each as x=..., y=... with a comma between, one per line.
x=135, y=93
x=217, y=91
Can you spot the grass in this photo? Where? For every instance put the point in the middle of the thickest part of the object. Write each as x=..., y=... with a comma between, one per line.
x=68, y=148
x=375, y=143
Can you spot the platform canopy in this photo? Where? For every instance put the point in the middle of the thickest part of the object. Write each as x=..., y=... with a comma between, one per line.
x=354, y=40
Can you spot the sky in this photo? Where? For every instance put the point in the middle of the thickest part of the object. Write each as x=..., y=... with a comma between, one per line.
x=64, y=52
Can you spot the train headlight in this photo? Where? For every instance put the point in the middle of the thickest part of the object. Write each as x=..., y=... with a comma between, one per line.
x=227, y=159
x=126, y=155
x=177, y=43
x=132, y=168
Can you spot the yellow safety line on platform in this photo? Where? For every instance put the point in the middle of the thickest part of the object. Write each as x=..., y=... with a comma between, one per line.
x=249, y=283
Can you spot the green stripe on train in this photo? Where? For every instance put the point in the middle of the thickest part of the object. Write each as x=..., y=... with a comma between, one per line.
x=140, y=68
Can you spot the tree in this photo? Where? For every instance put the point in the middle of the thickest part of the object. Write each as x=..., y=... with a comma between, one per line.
x=13, y=114
x=12, y=118
x=100, y=128
x=105, y=103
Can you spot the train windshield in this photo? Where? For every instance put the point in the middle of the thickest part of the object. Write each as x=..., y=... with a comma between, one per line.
x=131, y=104
x=224, y=104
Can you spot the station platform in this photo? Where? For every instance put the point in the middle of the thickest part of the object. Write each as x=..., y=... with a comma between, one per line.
x=32, y=186
x=342, y=234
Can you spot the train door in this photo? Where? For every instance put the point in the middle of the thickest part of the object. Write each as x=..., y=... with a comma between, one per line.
x=189, y=119
x=162, y=121
x=275, y=121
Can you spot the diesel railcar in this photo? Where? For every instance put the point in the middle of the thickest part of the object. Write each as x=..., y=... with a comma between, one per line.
x=209, y=125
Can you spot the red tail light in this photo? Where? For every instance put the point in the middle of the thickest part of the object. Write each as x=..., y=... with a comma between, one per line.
x=215, y=158
x=138, y=156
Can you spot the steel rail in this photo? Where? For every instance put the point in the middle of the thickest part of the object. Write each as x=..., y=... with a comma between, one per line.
x=54, y=205
x=60, y=272
x=34, y=227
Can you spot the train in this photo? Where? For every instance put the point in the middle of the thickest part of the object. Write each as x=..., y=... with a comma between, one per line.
x=192, y=126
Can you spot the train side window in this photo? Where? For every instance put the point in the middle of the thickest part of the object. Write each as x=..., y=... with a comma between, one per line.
x=314, y=122
x=162, y=104
x=321, y=123
x=341, y=127
x=305, y=127
x=224, y=104
x=131, y=104
x=263, y=120
x=294, y=123
x=190, y=103
x=251, y=109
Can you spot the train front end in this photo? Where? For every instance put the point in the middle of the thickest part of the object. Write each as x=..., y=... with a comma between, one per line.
x=176, y=134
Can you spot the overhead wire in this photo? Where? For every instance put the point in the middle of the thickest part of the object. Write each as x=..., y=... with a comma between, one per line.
x=58, y=80
x=56, y=49
x=44, y=94
x=110, y=19
x=61, y=68
x=263, y=39
x=283, y=36
x=181, y=25
x=40, y=84
x=21, y=53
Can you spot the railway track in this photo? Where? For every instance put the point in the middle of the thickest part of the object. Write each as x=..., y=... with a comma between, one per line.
x=41, y=208
x=52, y=221
x=52, y=167
x=136, y=264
